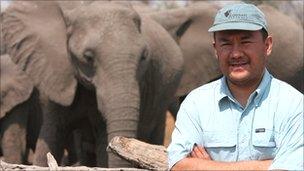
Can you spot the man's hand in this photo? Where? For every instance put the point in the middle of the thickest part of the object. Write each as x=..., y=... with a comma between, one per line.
x=199, y=152
x=199, y=159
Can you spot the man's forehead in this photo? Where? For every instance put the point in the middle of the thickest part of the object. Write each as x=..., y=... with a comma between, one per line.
x=236, y=32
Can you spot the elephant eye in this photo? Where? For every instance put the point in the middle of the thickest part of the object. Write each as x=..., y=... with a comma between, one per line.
x=89, y=56
x=144, y=55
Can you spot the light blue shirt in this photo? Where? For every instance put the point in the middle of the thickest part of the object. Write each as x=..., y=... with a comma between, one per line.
x=269, y=127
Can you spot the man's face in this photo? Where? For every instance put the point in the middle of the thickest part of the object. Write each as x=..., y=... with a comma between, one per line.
x=242, y=55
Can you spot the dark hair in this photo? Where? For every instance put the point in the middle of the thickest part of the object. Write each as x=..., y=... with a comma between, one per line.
x=263, y=32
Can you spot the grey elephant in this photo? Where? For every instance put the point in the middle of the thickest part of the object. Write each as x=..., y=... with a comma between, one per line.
x=101, y=61
x=287, y=59
x=189, y=27
x=20, y=114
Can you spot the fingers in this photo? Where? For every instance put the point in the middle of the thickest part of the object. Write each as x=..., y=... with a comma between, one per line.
x=193, y=154
x=199, y=152
x=204, y=153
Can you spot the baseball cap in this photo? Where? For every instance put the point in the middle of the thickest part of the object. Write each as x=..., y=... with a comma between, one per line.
x=239, y=17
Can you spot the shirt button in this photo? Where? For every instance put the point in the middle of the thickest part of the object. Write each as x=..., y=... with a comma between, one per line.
x=243, y=141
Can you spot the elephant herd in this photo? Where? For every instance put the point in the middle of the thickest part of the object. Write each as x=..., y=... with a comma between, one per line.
x=74, y=75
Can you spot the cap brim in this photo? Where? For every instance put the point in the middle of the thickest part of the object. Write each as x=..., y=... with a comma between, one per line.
x=235, y=26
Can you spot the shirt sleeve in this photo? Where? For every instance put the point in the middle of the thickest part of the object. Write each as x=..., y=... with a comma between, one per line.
x=290, y=151
x=187, y=131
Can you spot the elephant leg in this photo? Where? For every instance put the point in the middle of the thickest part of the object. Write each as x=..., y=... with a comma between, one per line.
x=34, y=122
x=99, y=132
x=77, y=147
x=52, y=134
x=101, y=146
x=72, y=151
x=84, y=145
x=14, y=135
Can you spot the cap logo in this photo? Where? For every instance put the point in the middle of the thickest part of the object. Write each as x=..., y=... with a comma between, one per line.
x=227, y=13
x=237, y=16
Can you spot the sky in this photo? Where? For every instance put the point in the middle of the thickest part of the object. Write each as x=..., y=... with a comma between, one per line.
x=4, y=4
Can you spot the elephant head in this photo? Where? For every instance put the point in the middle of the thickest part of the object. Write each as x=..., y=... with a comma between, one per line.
x=20, y=117
x=15, y=85
x=130, y=61
x=39, y=48
x=103, y=59
x=189, y=27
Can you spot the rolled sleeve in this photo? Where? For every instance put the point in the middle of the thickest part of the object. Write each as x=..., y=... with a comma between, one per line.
x=178, y=150
x=187, y=131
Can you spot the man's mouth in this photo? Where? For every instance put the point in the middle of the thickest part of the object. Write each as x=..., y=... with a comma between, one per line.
x=237, y=64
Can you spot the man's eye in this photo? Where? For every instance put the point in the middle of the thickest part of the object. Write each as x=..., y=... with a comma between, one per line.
x=246, y=42
x=225, y=44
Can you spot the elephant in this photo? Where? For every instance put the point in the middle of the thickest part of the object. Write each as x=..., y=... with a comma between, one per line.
x=101, y=61
x=189, y=27
x=21, y=118
x=287, y=60
x=20, y=114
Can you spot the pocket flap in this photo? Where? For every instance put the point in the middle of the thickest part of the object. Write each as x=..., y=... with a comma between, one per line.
x=219, y=139
x=263, y=139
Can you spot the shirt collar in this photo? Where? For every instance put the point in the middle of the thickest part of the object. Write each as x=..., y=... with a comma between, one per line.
x=224, y=90
x=225, y=93
x=263, y=87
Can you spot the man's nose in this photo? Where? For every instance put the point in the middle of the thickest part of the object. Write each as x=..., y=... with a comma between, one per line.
x=236, y=51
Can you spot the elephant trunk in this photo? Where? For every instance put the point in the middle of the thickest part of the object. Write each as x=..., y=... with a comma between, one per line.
x=124, y=124
x=119, y=100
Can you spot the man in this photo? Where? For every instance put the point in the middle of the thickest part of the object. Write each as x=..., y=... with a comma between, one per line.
x=247, y=119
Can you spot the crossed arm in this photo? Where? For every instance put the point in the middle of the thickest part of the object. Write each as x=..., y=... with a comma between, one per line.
x=199, y=159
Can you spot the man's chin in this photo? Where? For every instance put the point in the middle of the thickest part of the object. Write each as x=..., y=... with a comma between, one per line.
x=238, y=77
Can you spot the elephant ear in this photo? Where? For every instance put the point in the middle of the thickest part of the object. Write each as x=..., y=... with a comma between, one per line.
x=189, y=27
x=15, y=85
x=281, y=41
x=177, y=21
x=35, y=37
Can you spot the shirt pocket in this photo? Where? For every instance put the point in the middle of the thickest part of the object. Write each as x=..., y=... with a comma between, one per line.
x=263, y=145
x=220, y=145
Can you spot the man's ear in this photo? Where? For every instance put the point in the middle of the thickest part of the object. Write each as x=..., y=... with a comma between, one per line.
x=215, y=51
x=268, y=43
